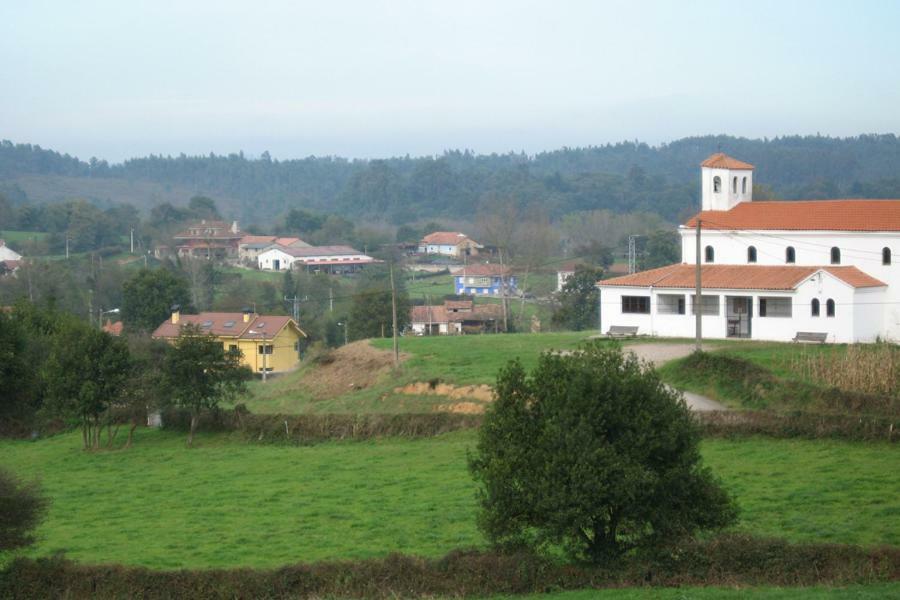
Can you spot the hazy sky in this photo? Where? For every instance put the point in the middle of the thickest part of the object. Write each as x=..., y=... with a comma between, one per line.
x=127, y=78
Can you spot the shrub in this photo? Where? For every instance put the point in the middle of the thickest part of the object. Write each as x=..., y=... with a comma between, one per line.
x=22, y=506
x=593, y=452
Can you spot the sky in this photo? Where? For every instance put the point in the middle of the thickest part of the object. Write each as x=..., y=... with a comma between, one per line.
x=119, y=79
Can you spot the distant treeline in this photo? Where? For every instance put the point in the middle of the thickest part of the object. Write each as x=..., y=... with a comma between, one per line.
x=623, y=177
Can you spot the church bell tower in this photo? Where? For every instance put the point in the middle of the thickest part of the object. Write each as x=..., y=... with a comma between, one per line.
x=725, y=182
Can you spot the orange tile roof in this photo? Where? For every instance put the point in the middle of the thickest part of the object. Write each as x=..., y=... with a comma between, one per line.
x=720, y=160
x=257, y=239
x=113, y=328
x=805, y=215
x=226, y=324
x=446, y=238
x=739, y=277
x=483, y=270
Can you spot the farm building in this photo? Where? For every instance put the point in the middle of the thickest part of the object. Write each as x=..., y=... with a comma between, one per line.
x=449, y=243
x=329, y=259
x=455, y=317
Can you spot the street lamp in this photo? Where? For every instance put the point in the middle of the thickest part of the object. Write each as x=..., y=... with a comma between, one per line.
x=262, y=333
x=101, y=312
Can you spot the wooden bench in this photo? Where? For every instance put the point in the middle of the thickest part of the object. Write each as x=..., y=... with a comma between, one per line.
x=622, y=331
x=810, y=336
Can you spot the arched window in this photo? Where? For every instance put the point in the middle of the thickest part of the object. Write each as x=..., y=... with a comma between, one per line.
x=751, y=254
x=815, y=307
x=829, y=308
x=734, y=186
x=710, y=254
x=790, y=255
x=717, y=184
x=835, y=256
x=744, y=185
x=885, y=256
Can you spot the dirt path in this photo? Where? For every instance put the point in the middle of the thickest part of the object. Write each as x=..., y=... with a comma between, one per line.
x=660, y=354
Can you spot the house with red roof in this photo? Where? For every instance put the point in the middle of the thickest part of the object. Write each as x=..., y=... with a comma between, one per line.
x=455, y=317
x=449, y=243
x=267, y=343
x=209, y=239
x=769, y=270
x=485, y=280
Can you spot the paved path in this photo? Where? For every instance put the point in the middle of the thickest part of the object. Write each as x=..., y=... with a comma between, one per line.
x=661, y=353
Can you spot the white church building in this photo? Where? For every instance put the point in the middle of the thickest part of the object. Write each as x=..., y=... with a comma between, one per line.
x=769, y=269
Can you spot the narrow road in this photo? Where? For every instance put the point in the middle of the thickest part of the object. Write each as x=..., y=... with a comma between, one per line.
x=659, y=354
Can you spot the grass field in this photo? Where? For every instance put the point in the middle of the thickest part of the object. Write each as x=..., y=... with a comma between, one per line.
x=856, y=592
x=228, y=503
x=21, y=236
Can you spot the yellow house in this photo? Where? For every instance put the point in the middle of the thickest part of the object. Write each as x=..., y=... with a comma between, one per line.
x=267, y=342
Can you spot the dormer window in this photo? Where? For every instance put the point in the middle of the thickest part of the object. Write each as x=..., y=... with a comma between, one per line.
x=717, y=184
x=710, y=254
x=751, y=254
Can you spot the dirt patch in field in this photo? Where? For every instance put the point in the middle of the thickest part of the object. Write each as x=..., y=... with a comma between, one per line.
x=352, y=367
x=465, y=408
x=481, y=393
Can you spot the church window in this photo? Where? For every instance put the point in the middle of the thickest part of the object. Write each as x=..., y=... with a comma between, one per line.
x=717, y=184
x=751, y=254
x=829, y=308
x=835, y=256
x=744, y=185
x=790, y=255
x=710, y=254
x=885, y=256
x=734, y=186
x=815, y=307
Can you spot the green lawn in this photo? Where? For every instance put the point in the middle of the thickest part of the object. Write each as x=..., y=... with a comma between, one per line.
x=856, y=592
x=228, y=503
x=22, y=236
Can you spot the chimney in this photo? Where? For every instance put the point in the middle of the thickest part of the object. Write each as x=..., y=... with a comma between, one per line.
x=248, y=312
x=176, y=313
x=234, y=227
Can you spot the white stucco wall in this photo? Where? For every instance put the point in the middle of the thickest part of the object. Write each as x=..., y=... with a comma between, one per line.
x=854, y=319
x=812, y=248
x=725, y=199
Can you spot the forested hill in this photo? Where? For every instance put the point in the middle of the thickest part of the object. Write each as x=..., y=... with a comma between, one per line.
x=623, y=177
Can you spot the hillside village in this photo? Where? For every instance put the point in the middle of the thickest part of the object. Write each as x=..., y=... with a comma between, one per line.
x=450, y=300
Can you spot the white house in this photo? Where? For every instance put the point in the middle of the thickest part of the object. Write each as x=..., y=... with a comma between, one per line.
x=449, y=243
x=7, y=253
x=331, y=259
x=770, y=269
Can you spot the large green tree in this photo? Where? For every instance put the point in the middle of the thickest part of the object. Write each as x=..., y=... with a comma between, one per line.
x=17, y=375
x=200, y=374
x=85, y=376
x=148, y=296
x=371, y=312
x=592, y=453
x=578, y=300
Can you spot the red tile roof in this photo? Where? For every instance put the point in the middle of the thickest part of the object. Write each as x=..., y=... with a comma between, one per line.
x=739, y=277
x=257, y=239
x=720, y=160
x=806, y=215
x=113, y=328
x=226, y=324
x=446, y=238
x=483, y=270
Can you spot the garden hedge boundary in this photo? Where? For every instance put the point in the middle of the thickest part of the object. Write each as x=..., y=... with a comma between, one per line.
x=732, y=560
x=799, y=425
x=310, y=429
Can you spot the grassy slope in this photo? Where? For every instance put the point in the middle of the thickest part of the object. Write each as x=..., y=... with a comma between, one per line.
x=21, y=236
x=460, y=360
x=229, y=504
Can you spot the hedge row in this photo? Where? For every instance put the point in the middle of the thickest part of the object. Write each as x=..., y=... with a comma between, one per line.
x=799, y=425
x=726, y=561
x=308, y=429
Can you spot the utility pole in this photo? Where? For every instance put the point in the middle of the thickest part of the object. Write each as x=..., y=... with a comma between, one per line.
x=91, y=307
x=698, y=299
x=330, y=299
x=394, y=317
x=295, y=308
x=132, y=240
x=67, y=247
x=503, y=301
